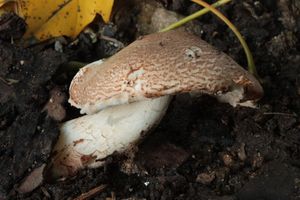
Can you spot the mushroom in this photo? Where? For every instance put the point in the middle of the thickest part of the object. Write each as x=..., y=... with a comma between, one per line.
x=127, y=95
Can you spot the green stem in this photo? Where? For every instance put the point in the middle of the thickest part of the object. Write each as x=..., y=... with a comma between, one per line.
x=193, y=16
x=251, y=65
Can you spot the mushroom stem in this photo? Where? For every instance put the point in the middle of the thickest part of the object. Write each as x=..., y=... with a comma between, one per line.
x=86, y=141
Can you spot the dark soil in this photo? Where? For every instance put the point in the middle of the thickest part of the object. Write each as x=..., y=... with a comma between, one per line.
x=202, y=149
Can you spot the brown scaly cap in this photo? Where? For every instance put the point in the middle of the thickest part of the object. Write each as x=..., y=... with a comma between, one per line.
x=160, y=64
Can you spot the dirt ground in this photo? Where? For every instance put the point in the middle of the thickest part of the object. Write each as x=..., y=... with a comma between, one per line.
x=202, y=149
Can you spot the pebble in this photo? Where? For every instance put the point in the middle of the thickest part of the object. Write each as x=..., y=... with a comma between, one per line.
x=206, y=178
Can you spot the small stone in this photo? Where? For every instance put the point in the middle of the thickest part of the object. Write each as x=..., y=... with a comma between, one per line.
x=257, y=161
x=153, y=17
x=242, y=153
x=206, y=178
x=227, y=160
x=58, y=46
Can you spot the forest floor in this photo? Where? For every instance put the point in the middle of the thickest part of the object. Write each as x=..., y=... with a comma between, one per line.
x=202, y=149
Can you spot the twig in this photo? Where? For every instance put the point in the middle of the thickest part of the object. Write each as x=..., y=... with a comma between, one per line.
x=9, y=81
x=279, y=113
x=91, y=193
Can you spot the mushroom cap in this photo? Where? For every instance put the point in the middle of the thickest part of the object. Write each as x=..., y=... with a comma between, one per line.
x=160, y=64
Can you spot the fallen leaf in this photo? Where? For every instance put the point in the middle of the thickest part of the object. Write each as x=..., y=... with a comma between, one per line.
x=7, y=6
x=2, y=2
x=32, y=181
x=52, y=18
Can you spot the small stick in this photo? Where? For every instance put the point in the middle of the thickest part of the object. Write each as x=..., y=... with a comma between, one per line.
x=279, y=113
x=91, y=193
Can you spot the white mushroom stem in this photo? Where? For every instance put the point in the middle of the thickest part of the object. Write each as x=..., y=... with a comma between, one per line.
x=88, y=140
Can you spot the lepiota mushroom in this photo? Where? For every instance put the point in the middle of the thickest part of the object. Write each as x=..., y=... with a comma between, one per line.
x=127, y=95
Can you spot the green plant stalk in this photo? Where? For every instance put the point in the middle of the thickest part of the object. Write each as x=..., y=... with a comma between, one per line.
x=251, y=65
x=193, y=16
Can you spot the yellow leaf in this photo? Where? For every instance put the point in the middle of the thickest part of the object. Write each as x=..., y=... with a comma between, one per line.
x=7, y=6
x=51, y=18
x=2, y=2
